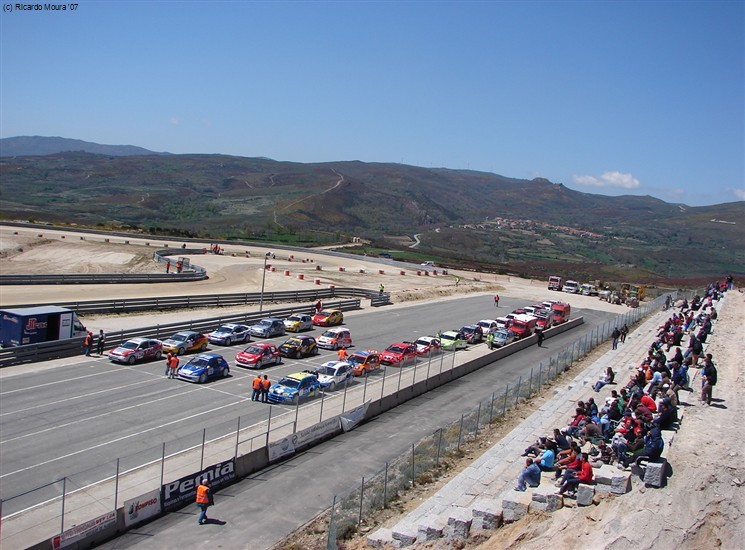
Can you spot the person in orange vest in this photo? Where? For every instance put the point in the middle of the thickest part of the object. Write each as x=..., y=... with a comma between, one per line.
x=256, y=385
x=265, y=385
x=88, y=344
x=173, y=362
x=342, y=354
x=204, y=500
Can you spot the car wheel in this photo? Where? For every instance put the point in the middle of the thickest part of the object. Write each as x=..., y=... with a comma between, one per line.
x=202, y=378
x=181, y=351
x=332, y=386
x=298, y=355
x=228, y=342
x=131, y=360
x=225, y=372
x=336, y=346
x=158, y=355
x=203, y=347
x=277, y=360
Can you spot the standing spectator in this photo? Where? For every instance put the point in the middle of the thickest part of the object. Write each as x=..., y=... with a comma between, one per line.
x=457, y=281
x=173, y=363
x=381, y=289
x=88, y=344
x=624, y=333
x=496, y=300
x=256, y=386
x=490, y=340
x=342, y=354
x=265, y=385
x=168, y=266
x=319, y=306
x=179, y=265
x=709, y=374
x=539, y=335
x=616, y=334
x=204, y=500
x=101, y=341
x=531, y=475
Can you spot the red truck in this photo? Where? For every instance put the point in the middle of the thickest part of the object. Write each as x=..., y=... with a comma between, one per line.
x=561, y=312
x=523, y=326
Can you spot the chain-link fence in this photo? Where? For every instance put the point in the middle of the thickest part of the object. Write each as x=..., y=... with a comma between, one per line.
x=423, y=462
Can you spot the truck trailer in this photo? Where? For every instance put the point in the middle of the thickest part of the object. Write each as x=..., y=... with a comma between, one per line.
x=34, y=325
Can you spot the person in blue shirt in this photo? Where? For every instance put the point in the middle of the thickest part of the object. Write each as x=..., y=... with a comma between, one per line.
x=530, y=475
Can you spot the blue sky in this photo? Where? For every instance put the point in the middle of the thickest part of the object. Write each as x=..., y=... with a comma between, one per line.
x=643, y=98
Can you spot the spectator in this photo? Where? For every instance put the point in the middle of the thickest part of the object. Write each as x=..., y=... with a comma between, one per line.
x=573, y=478
x=607, y=378
x=616, y=334
x=101, y=341
x=88, y=344
x=531, y=475
x=265, y=385
x=709, y=374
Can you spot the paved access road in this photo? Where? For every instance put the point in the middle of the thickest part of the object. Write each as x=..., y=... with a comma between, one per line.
x=75, y=420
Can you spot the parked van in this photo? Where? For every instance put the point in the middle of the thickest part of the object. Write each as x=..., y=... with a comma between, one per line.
x=572, y=287
x=523, y=326
x=561, y=312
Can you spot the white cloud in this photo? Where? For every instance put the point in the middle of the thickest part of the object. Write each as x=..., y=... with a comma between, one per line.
x=739, y=193
x=608, y=179
x=174, y=121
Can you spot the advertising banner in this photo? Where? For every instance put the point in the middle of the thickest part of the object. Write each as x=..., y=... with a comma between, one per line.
x=79, y=532
x=141, y=508
x=288, y=445
x=352, y=418
x=175, y=493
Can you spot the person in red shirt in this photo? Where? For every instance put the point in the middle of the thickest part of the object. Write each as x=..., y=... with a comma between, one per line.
x=573, y=478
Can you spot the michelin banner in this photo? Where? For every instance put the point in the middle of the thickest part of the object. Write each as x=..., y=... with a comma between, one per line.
x=352, y=418
x=141, y=508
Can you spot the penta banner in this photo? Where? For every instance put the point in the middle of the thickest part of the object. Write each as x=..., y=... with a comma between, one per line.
x=175, y=493
x=141, y=508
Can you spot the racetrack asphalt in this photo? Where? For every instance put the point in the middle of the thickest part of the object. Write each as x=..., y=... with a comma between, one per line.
x=260, y=510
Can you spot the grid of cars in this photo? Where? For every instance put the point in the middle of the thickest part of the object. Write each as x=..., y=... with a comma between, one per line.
x=292, y=388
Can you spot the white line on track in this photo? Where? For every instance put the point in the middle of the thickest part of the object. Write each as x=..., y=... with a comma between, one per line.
x=123, y=437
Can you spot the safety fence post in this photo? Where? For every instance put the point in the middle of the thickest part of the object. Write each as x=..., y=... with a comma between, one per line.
x=385, y=487
x=297, y=412
x=517, y=393
x=64, y=490
x=504, y=406
x=478, y=419
x=268, y=428
x=413, y=467
x=201, y=460
x=400, y=374
x=344, y=399
x=460, y=430
x=362, y=494
x=540, y=375
x=331, y=538
x=364, y=390
x=116, y=486
x=382, y=385
x=491, y=409
x=162, y=464
x=530, y=383
x=237, y=438
x=323, y=396
x=439, y=442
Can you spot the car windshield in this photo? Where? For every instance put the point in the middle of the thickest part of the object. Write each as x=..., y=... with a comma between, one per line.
x=293, y=342
x=178, y=337
x=468, y=330
x=290, y=383
x=330, y=371
x=294, y=318
x=395, y=349
x=355, y=360
x=254, y=349
x=502, y=334
x=265, y=323
x=223, y=330
x=130, y=345
x=421, y=342
x=324, y=313
x=330, y=334
x=447, y=337
x=199, y=362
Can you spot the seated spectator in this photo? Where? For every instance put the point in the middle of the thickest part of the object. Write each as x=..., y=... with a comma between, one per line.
x=591, y=431
x=531, y=475
x=569, y=460
x=573, y=479
x=607, y=378
x=560, y=438
x=591, y=409
x=604, y=455
x=546, y=461
x=651, y=449
x=666, y=417
x=578, y=420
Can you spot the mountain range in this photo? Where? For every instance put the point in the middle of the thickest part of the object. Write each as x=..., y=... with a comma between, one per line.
x=472, y=218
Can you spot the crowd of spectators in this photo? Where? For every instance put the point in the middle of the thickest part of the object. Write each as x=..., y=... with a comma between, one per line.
x=627, y=425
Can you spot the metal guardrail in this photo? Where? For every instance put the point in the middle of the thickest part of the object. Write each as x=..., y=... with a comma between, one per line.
x=192, y=272
x=131, y=305
x=68, y=348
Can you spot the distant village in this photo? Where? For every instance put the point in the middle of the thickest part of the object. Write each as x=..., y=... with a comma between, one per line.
x=530, y=225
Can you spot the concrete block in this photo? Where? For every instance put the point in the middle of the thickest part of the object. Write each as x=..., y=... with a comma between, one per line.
x=404, y=535
x=620, y=483
x=431, y=528
x=604, y=474
x=381, y=538
x=515, y=505
x=654, y=475
x=545, y=499
x=487, y=513
x=459, y=523
x=585, y=493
